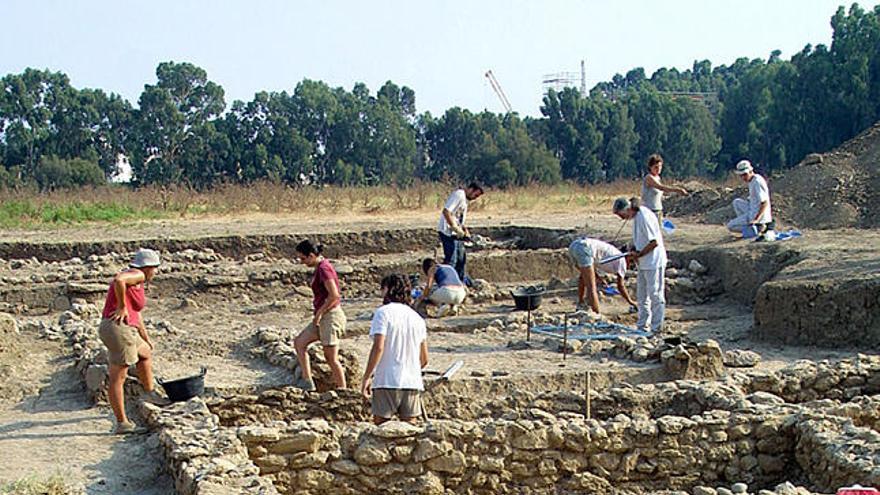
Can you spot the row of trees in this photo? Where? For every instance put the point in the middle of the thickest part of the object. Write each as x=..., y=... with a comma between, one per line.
x=771, y=111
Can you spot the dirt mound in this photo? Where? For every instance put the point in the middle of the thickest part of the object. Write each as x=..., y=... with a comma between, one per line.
x=824, y=191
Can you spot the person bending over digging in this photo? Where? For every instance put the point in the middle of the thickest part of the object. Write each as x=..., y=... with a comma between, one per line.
x=649, y=253
x=581, y=253
x=448, y=293
x=328, y=322
x=123, y=332
x=617, y=268
x=393, y=376
x=452, y=230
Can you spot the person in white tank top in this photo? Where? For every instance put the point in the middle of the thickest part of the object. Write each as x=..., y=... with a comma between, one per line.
x=653, y=189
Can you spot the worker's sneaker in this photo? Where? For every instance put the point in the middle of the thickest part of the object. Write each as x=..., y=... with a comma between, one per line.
x=442, y=310
x=128, y=428
x=154, y=398
x=306, y=385
x=581, y=307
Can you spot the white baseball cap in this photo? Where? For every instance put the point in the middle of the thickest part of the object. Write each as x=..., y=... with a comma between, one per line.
x=743, y=167
x=145, y=257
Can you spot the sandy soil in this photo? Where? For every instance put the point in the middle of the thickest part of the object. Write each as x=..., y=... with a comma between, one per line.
x=47, y=425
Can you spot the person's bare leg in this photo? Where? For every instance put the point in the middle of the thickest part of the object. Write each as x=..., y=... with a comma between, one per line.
x=331, y=353
x=301, y=344
x=589, y=277
x=145, y=367
x=115, y=391
x=378, y=420
x=581, y=286
x=412, y=420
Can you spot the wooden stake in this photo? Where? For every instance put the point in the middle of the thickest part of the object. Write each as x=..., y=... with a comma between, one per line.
x=589, y=386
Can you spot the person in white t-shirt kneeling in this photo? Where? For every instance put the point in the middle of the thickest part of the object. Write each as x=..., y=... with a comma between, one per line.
x=649, y=253
x=393, y=377
x=754, y=216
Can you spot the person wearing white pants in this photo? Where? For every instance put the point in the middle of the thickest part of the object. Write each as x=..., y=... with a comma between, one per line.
x=756, y=210
x=650, y=254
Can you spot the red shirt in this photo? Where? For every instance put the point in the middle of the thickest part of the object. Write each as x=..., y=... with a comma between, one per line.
x=323, y=272
x=135, y=300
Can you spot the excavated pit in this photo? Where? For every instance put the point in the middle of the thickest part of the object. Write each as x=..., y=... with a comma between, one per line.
x=528, y=430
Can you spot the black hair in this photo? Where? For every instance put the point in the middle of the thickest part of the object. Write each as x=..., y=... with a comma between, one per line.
x=398, y=288
x=306, y=248
x=475, y=186
x=427, y=263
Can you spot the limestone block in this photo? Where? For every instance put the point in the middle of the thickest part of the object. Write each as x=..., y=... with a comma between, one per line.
x=704, y=490
x=590, y=483
x=606, y=460
x=452, y=462
x=491, y=464
x=345, y=466
x=428, y=449
x=302, y=460
x=371, y=454
x=402, y=453
x=535, y=439
x=396, y=429
x=315, y=479
x=304, y=441
x=258, y=434
x=272, y=463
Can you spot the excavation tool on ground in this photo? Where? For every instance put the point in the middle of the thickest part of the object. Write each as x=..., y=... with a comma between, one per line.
x=451, y=370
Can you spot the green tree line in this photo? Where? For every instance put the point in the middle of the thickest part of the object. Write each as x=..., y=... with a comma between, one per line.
x=771, y=111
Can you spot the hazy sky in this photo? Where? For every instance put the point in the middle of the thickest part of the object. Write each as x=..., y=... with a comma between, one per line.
x=441, y=49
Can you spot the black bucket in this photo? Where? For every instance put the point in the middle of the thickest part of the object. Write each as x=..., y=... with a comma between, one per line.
x=528, y=298
x=185, y=388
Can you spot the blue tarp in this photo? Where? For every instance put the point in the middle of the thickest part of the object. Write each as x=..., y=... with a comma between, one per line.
x=590, y=331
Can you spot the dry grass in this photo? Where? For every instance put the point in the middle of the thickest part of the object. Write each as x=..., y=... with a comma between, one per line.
x=53, y=485
x=119, y=203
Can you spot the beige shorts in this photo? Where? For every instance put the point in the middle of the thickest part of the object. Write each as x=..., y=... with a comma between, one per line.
x=404, y=403
x=122, y=342
x=332, y=326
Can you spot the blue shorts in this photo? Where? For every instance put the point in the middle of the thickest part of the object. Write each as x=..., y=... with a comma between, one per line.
x=581, y=252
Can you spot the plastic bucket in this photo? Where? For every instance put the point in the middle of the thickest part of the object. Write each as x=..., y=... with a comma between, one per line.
x=185, y=388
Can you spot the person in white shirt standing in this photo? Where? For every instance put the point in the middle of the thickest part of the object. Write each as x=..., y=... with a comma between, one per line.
x=452, y=229
x=650, y=254
x=393, y=377
x=756, y=210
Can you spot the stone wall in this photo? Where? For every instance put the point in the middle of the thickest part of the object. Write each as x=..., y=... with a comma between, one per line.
x=203, y=457
x=523, y=456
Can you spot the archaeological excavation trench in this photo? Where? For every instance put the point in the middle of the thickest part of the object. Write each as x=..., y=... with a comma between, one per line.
x=632, y=415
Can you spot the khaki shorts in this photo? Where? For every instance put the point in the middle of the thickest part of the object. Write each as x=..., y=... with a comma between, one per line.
x=388, y=402
x=122, y=342
x=332, y=326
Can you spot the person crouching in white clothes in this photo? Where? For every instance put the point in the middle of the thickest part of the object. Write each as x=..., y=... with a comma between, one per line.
x=756, y=210
x=650, y=254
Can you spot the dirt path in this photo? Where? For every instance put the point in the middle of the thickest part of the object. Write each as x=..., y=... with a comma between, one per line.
x=52, y=429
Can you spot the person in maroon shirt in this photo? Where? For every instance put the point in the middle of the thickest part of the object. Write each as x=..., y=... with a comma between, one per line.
x=123, y=333
x=328, y=322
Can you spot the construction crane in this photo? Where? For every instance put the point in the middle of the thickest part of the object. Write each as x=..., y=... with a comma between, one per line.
x=498, y=91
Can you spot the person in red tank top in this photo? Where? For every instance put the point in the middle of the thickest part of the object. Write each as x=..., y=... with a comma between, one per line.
x=328, y=322
x=123, y=332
